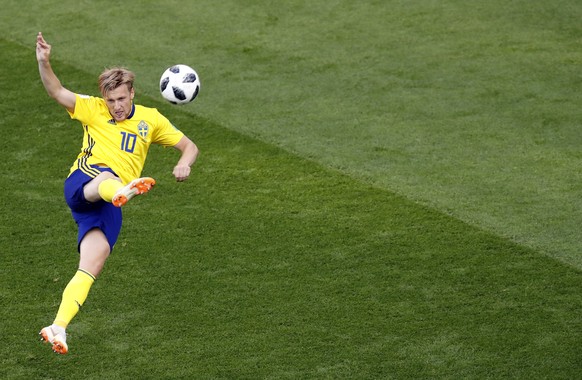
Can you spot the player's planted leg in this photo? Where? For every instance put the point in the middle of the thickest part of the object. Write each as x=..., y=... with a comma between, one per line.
x=56, y=336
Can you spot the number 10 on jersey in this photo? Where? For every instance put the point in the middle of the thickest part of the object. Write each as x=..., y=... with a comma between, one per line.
x=128, y=141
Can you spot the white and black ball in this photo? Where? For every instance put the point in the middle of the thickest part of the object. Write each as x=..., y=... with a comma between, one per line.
x=180, y=84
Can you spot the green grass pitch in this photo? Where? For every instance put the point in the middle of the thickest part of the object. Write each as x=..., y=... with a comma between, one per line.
x=386, y=190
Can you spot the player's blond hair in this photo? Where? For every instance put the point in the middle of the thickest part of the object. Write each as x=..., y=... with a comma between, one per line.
x=114, y=77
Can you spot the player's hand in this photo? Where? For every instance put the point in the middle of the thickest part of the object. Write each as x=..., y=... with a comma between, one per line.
x=181, y=172
x=43, y=49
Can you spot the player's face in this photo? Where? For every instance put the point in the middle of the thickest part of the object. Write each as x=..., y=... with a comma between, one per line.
x=119, y=102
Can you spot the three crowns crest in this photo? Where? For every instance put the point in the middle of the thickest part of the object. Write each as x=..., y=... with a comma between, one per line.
x=143, y=129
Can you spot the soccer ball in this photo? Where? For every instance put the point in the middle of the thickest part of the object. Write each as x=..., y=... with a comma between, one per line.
x=179, y=84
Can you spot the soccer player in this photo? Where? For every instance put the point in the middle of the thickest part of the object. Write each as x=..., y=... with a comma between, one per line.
x=106, y=174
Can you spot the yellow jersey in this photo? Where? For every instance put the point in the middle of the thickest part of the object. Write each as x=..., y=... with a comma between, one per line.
x=121, y=146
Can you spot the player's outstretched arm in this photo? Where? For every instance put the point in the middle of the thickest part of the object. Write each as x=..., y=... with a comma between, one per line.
x=189, y=153
x=51, y=83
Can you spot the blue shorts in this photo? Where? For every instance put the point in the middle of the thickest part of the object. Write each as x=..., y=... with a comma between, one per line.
x=102, y=215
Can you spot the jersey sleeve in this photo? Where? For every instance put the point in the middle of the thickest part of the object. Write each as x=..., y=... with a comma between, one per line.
x=85, y=108
x=165, y=133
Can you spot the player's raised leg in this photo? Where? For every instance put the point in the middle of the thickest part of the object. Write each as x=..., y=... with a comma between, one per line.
x=136, y=187
x=108, y=187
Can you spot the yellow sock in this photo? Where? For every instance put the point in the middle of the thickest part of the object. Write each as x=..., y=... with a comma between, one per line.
x=108, y=188
x=74, y=296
